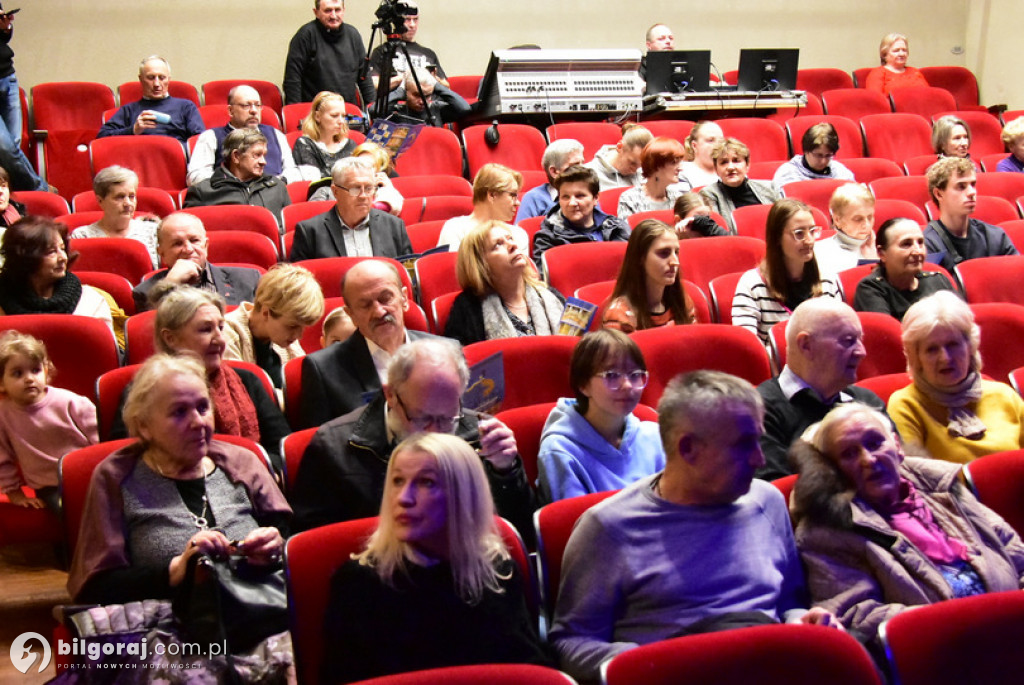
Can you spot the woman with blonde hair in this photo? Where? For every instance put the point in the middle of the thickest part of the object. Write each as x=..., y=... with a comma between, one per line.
x=949, y=410
x=324, y=137
x=437, y=566
x=733, y=188
x=495, y=198
x=1013, y=139
x=267, y=330
x=501, y=296
x=387, y=199
x=951, y=137
x=852, y=207
x=894, y=72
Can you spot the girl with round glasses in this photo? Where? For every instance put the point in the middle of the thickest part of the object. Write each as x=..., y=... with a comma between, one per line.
x=592, y=443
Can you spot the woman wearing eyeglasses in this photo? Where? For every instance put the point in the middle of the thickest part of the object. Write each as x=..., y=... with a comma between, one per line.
x=593, y=443
x=787, y=276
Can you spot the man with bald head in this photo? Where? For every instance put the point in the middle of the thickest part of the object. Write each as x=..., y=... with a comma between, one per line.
x=343, y=469
x=824, y=347
x=344, y=376
x=245, y=110
x=157, y=113
x=181, y=244
x=659, y=38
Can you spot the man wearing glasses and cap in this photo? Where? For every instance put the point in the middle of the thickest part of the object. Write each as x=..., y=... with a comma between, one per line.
x=352, y=228
x=343, y=469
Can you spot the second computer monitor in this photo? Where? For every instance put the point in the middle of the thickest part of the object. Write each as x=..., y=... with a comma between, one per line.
x=678, y=71
x=771, y=69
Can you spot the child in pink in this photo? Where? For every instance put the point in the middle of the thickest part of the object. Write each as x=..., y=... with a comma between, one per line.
x=38, y=424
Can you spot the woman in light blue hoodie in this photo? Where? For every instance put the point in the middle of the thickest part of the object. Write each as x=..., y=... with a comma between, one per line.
x=594, y=443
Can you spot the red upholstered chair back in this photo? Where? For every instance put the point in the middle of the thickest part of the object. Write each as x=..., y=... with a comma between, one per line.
x=492, y=674
x=702, y=259
x=1002, y=325
x=850, y=143
x=293, y=447
x=997, y=481
x=536, y=367
x=707, y=346
x=792, y=654
x=885, y=385
x=969, y=640
x=554, y=523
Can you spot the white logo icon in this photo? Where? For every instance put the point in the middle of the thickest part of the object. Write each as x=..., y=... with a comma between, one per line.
x=23, y=658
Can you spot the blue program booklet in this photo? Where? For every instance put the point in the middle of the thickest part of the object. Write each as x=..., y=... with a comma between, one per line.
x=486, y=389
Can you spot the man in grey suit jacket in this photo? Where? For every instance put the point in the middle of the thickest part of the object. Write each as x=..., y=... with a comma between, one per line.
x=352, y=228
x=345, y=375
x=181, y=243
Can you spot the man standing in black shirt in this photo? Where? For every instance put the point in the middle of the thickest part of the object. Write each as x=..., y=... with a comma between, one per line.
x=326, y=54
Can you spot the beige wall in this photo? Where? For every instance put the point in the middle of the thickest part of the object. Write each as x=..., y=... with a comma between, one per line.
x=102, y=40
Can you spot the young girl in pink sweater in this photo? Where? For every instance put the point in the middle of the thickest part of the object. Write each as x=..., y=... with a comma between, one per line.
x=38, y=424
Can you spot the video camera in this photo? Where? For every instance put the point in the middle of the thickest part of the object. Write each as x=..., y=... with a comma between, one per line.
x=391, y=16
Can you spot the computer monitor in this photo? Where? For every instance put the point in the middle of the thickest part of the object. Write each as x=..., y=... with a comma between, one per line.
x=678, y=71
x=771, y=69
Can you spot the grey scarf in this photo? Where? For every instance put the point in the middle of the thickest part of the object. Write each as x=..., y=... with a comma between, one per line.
x=545, y=311
x=962, y=422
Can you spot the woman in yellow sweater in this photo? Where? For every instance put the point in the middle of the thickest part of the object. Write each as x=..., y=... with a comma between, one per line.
x=948, y=409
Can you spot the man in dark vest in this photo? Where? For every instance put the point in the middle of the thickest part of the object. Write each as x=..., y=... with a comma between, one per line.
x=245, y=110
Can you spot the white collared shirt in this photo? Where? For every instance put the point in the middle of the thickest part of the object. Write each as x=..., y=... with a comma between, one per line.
x=357, y=238
x=381, y=357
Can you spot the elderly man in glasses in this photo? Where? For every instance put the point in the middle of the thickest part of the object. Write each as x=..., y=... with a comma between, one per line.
x=352, y=228
x=343, y=470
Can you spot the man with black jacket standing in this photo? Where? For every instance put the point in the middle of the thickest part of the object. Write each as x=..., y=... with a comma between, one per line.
x=326, y=54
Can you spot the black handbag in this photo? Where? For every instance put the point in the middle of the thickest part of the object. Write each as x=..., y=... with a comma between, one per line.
x=231, y=601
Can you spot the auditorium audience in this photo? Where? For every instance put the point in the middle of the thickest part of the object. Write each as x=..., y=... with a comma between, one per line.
x=949, y=410
x=659, y=163
x=880, y=532
x=824, y=348
x=951, y=137
x=699, y=168
x=618, y=165
x=621, y=586
x=820, y=143
x=115, y=188
x=39, y=423
x=733, y=189
x=852, y=207
x=344, y=469
x=156, y=504
x=900, y=278
x=388, y=199
x=894, y=72
x=788, y=275
x=593, y=443
x=190, y=322
x=240, y=178
x=649, y=291
x=435, y=585
x=495, y=198
x=952, y=185
x=501, y=296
